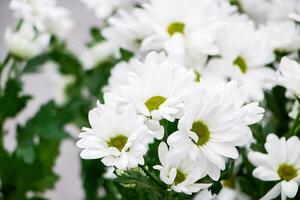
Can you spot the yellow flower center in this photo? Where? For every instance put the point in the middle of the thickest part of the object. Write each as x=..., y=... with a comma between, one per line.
x=202, y=132
x=176, y=27
x=229, y=183
x=287, y=172
x=241, y=63
x=198, y=76
x=154, y=102
x=118, y=142
x=180, y=177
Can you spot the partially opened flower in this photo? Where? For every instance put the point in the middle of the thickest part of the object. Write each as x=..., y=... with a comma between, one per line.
x=120, y=139
x=156, y=90
x=25, y=43
x=214, y=122
x=181, y=174
x=289, y=75
x=281, y=163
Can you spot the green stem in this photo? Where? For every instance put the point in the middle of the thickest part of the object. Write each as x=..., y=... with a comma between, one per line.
x=5, y=62
x=170, y=195
x=151, y=176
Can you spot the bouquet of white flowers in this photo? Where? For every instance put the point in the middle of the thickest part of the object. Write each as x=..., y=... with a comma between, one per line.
x=187, y=99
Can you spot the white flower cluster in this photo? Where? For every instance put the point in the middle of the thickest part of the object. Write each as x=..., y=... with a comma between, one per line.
x=203, y=65
x=37, y=21
x=213, y=121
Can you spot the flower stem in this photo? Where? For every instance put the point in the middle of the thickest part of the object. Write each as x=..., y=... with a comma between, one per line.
x=151, y=176
x=2, y=65
x=170, y=195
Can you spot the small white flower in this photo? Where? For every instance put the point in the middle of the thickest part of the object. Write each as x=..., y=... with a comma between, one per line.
x=156, y=90
x=214, y=122
x=25, y=43
x=127, y=30
x=289, y=75
x=120, y=139
x=244, y=52
x=180, y=174
x=44, y=15
x=193, y=22
x=281, y=163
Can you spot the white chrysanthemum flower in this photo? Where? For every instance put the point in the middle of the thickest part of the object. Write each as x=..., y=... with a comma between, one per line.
x=159, y=25
x=281, y=163
x=289, y=75
x=180, y=174
x=195, y=22
x=127, y=30
x=244, y=52
x=44, y=15
x=156, y=90
x=120, y=139
x=284, y=35
x=214, y=122
x=25, y=43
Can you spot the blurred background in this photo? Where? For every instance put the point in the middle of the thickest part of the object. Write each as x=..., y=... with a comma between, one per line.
x=44, y=86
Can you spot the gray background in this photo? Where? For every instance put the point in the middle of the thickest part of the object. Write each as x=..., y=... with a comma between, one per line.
x=68, y=164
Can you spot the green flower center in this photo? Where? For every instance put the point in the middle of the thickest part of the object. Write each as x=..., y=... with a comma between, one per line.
x=202, y=132
x=198, y=76
x=154, y=102
x=176, y=27
x=118, y=142
x=287, y=172
x=241, y=63
x=180, y=177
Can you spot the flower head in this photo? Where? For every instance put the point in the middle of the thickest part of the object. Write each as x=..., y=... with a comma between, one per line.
x=120, y=139
x=24, y=43
x=180, y=174
x=213, y=124
x=156, y=89
x=281, y=163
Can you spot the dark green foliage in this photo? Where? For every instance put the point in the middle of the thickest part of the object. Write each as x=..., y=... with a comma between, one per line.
x=276, y=102
x=30, y=167
x=11, y=100
x=140, y=185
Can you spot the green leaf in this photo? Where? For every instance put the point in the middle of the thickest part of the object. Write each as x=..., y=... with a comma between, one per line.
x=137, y=181
x=12, y=101
x=126, y=55
x=46, y=124
x=34, y=63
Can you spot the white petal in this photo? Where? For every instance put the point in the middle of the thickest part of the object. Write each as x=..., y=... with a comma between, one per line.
x=274, y=192
x=289, y=188
x=92, y=154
